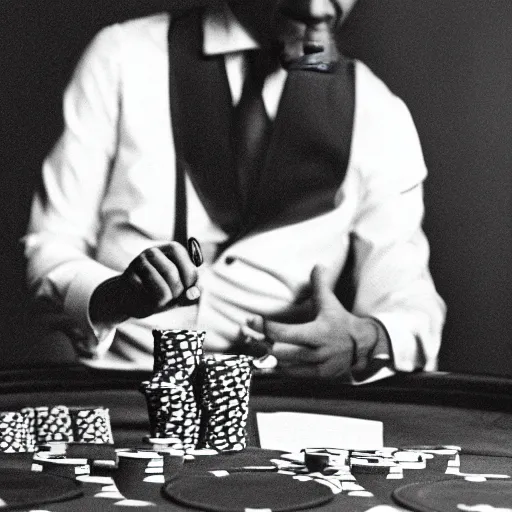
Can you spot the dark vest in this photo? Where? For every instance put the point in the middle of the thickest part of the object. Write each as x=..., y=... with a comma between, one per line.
x=309, y=149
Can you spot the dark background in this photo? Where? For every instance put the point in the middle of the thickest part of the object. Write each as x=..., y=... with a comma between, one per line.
x=451, y=61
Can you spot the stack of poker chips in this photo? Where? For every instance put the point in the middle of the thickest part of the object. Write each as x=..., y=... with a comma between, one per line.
x=49, y=424
x=171, y=392
x=224, y=399
x=91, y=425
x=16, y=435
x=197, y=401
x=33, y=428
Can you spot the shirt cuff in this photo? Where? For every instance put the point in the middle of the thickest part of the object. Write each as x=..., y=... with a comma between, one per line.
x=406, y=350
x=98, y=337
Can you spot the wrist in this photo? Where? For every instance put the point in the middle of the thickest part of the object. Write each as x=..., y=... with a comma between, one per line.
x=108, y=302
x=370, y=341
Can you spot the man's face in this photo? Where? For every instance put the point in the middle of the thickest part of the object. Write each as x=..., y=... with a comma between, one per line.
x=268, y=20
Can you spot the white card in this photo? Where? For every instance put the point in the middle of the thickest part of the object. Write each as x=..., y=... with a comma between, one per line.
x=293, y=431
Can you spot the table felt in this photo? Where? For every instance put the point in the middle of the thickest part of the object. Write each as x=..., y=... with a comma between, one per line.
x=102, y=496
x=410, y=417
x=21, y=489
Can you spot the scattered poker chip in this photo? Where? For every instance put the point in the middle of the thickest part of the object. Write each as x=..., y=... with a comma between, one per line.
x=133, y=467
x=67, y=467
x=410, y=459
x=337, y=457
x=371, y=465
x=316, y=461
x=194, y=251
x=55, y=448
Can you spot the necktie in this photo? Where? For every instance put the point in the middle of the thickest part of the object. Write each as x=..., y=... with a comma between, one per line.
x=252, y=125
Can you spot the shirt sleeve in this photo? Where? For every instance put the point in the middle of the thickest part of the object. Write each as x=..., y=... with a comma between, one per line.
x=65, y=217
x=393, y=281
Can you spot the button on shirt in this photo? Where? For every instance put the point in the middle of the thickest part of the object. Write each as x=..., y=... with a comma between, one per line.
x=110, y=185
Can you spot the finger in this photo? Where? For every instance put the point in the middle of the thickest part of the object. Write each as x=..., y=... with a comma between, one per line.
x=193, y=293
x=251, y=343
x=323, y=296
x=152, y=281
x=256, y=323
x=168, y=270
x=248, y=332
x=285, y=352
x=179, y=256
x=294, y=334
x=133, y=281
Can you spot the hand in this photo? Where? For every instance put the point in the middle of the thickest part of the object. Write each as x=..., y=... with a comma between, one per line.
x=156, y=280
x=333, y=343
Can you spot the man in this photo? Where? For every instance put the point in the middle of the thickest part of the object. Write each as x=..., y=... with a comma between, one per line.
x=339, y=172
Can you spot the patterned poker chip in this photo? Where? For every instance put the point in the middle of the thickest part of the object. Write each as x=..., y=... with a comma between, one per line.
x=15, y=433
x=224, y=397
x=49, y=424
x=92, y=425
x=177, y=349
x=173, y=412
x=170, y=394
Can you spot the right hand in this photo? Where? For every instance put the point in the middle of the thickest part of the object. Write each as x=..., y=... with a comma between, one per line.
x=158, y=279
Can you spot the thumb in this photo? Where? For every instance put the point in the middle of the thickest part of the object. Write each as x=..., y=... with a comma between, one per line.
x=323, y=296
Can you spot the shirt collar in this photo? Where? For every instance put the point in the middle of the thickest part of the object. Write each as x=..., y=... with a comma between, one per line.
x=223, y=33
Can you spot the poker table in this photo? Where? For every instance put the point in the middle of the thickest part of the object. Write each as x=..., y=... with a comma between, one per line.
x=423, y=409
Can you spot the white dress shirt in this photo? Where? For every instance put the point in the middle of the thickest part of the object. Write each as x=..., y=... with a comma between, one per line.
x=110, y=189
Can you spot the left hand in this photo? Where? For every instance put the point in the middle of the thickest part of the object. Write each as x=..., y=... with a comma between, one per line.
x=332, y=344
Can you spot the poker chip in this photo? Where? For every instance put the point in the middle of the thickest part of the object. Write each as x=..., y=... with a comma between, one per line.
x=177, y=349
x=16, y=436
x=133, y=468
x=194, y=251
x=224, y=397
x=67, y=467
x=91, y=425
x=371, y=465
x=49, y=424
x=170, y=394
x=173, y=413
x=55, y=448
x=193, y=400
x=315, y=461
